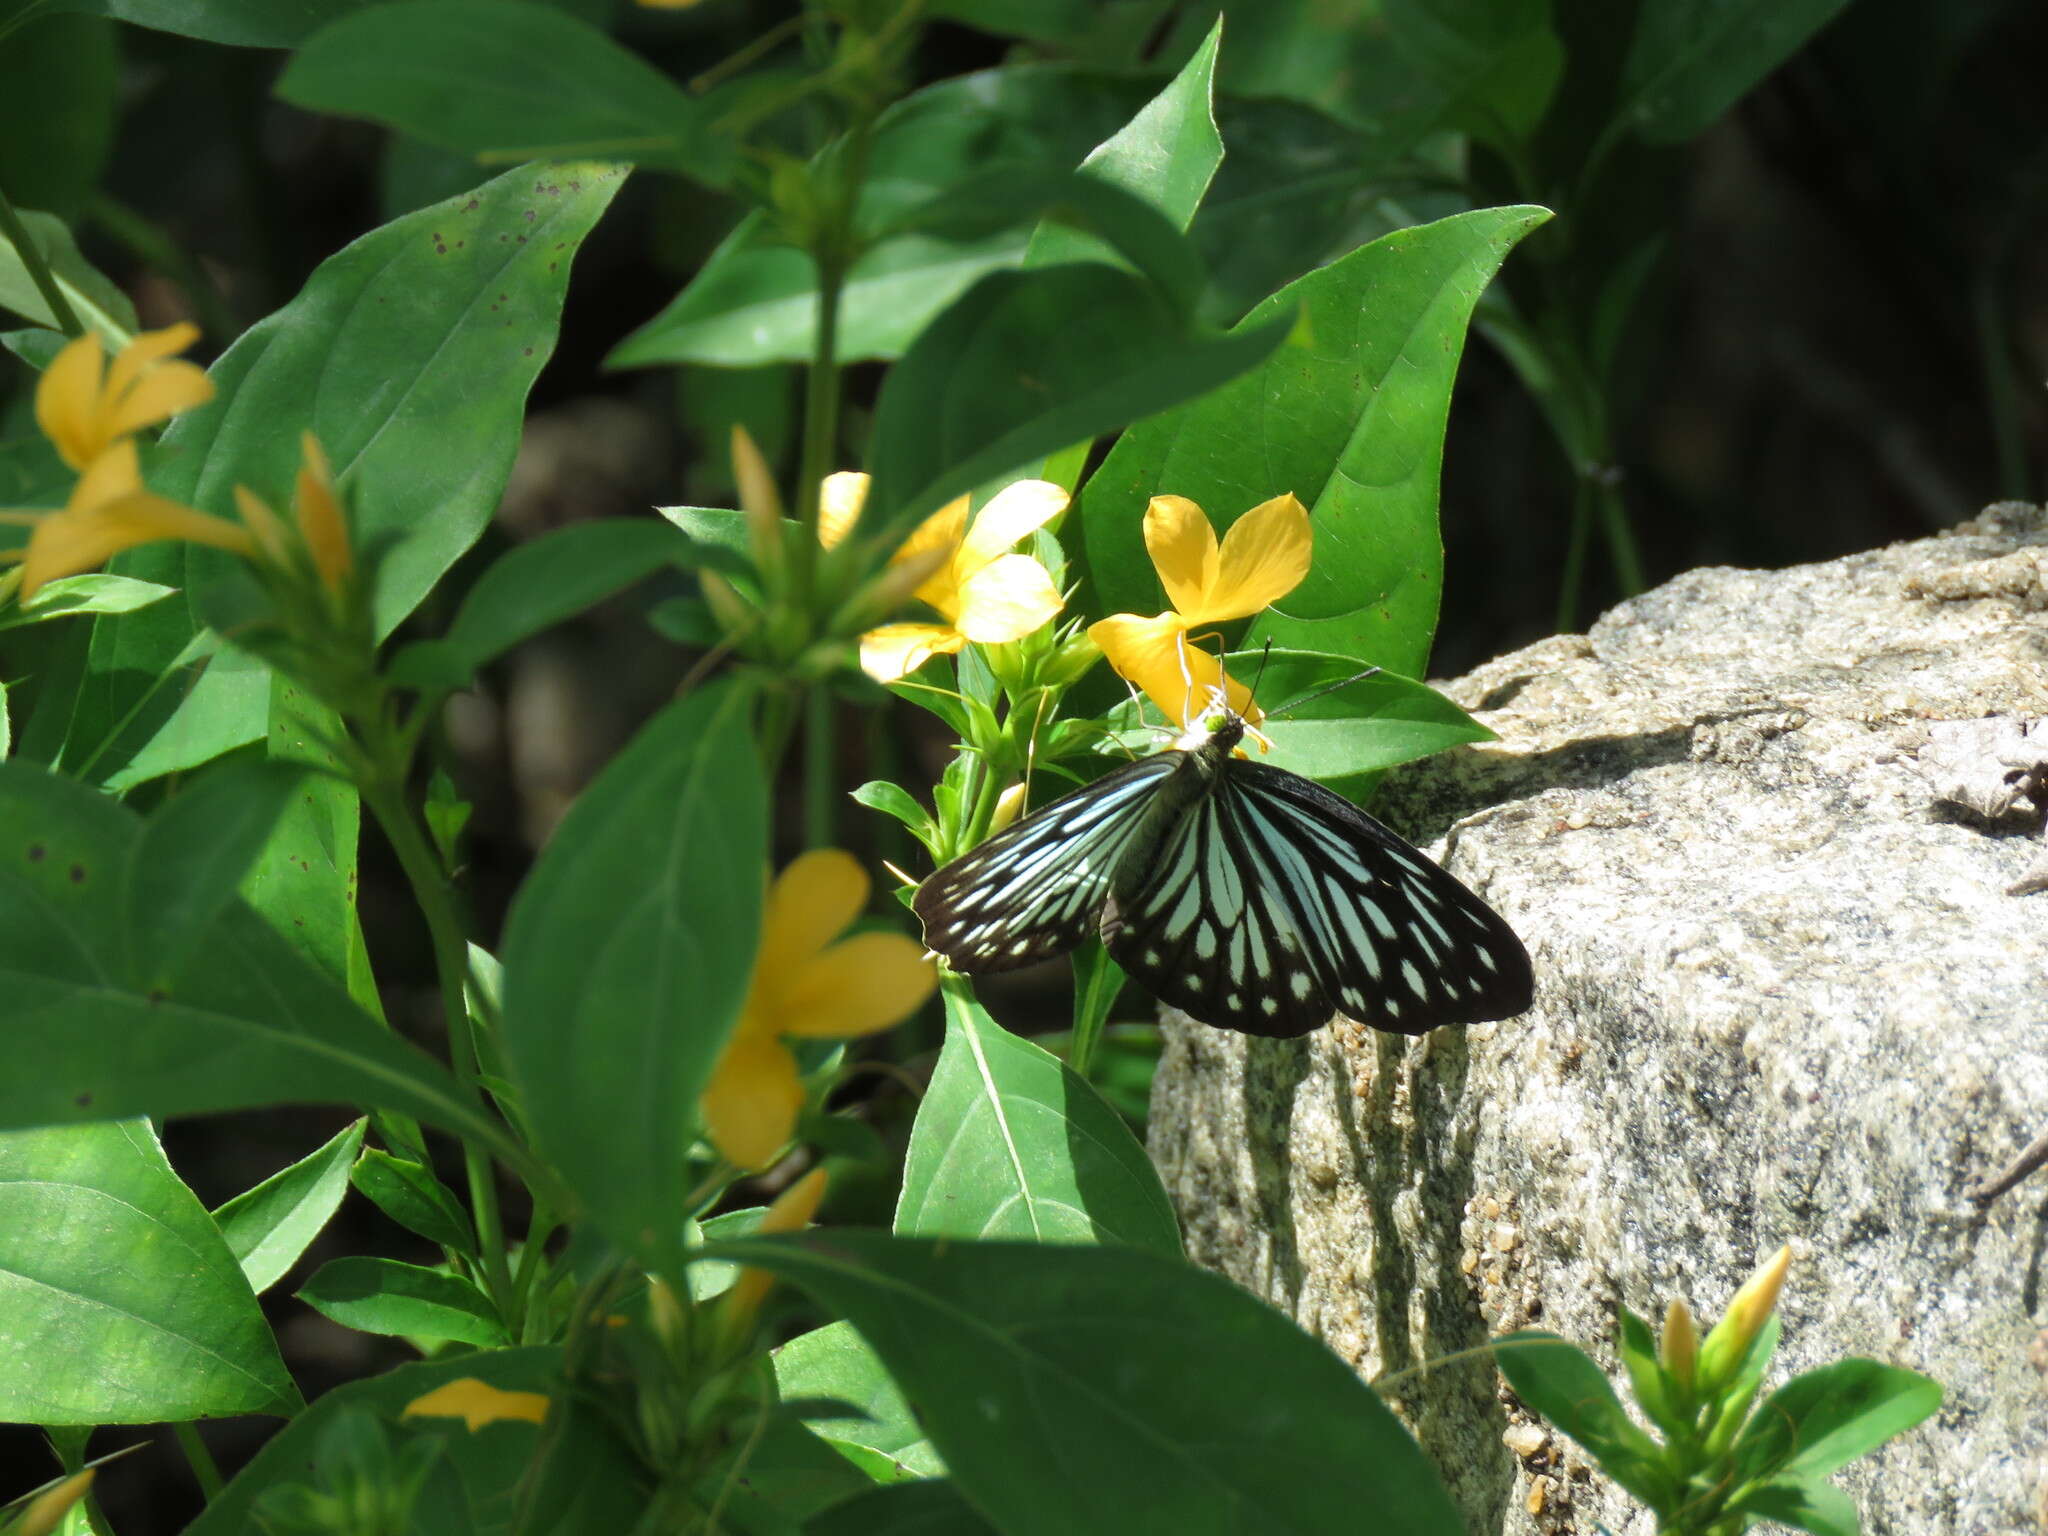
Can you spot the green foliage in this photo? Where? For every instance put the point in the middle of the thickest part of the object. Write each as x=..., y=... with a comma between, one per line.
x=1244, y=269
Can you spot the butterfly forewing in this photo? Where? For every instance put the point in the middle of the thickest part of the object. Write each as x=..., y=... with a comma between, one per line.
x=1035, y=889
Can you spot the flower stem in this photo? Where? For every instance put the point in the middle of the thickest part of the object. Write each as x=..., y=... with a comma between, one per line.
x=39, y=271
x=436, y=901
x=821, y=785
x=204, y=1468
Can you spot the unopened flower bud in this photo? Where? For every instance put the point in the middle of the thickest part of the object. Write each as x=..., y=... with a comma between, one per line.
x=1679, y=1348
x=1008, y=804
x=1730, y=1339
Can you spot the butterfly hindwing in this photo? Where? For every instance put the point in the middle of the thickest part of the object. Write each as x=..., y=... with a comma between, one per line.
x=1200, y=927
x=1034, y=890
x=1394, y=941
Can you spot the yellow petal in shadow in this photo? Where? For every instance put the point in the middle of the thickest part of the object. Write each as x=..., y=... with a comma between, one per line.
x=67, y=400
x=814, y=900
x=754, y=1097
x=477, y=1403
x=858, y=986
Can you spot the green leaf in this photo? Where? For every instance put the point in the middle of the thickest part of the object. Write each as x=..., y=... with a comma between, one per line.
x=1490, y=66
x=59, y=98
x=268, y=1227
x=756, y=299
x=1348, y=415
x=834, y=1363
x=507, y=83
x=895, y=800
x=93, y=593
x=1653, y=1387
x=239, y=23
x=304, y=880
x=92, y=296
x=777, y=1477
x=1561, y=1382
x=1106, y=223
x=627, y=955
x=409, y=354
x=119, y=1303
x=385, y=1296
x=1026, y=363
x=933, y=1507
x=1011, y=1142
x=249, y=1022
x=1805, y=1504
x=1824, y=1419
x=181, y=873
x=1167, y=154
x=1052, y=21
x=490, y=1460
x=1080, y=1390
x=1687, y=63
x=1345, y=737
x=536, y=586
x=410, y=1195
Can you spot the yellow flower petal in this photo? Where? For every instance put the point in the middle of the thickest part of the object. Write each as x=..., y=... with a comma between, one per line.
x=67, y=400
x=477, y=1403
x=1180, y=678
x=791, y=1212
x=896, y=650
x=814, y=900
x=1183, y=550
x=69, y=542
x=858, y=986
x=840, y=498
x=158, y=395
x=1012, y=515
x=133, y=360
x=265, y=526
x=751, y=1104
x=1264, y=557
x=1006, y=600
x=85, y=405
x=321, y=523
x=113, y=475
x=942, y=530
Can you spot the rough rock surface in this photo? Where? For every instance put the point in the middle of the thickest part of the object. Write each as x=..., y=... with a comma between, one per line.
x=1782, y=997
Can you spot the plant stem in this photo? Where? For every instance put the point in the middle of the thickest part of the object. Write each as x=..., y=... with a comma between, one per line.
x=436, y=901
x=821, y=788
x=39, y=271
x=203, y=1466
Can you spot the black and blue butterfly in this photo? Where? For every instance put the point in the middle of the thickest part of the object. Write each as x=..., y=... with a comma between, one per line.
x=1248, y=897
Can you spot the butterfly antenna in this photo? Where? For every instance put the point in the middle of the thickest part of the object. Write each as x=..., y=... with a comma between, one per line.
x=1328, y=688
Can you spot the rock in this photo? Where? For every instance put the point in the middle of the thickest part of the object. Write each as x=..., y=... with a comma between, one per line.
x=1782, y=996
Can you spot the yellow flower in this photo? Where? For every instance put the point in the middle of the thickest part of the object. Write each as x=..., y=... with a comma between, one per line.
x=807, y=986
x=477, y=1403
x=965, y=571
x=84, y=406
x=791, y=1212
x=109, y=511
x=1261, y=559
x=322, y=527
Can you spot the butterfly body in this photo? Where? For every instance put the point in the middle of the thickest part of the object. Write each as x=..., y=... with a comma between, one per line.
x=1246, y=896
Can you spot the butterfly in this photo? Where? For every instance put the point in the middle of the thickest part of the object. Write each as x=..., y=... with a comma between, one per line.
x=1248, y=897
